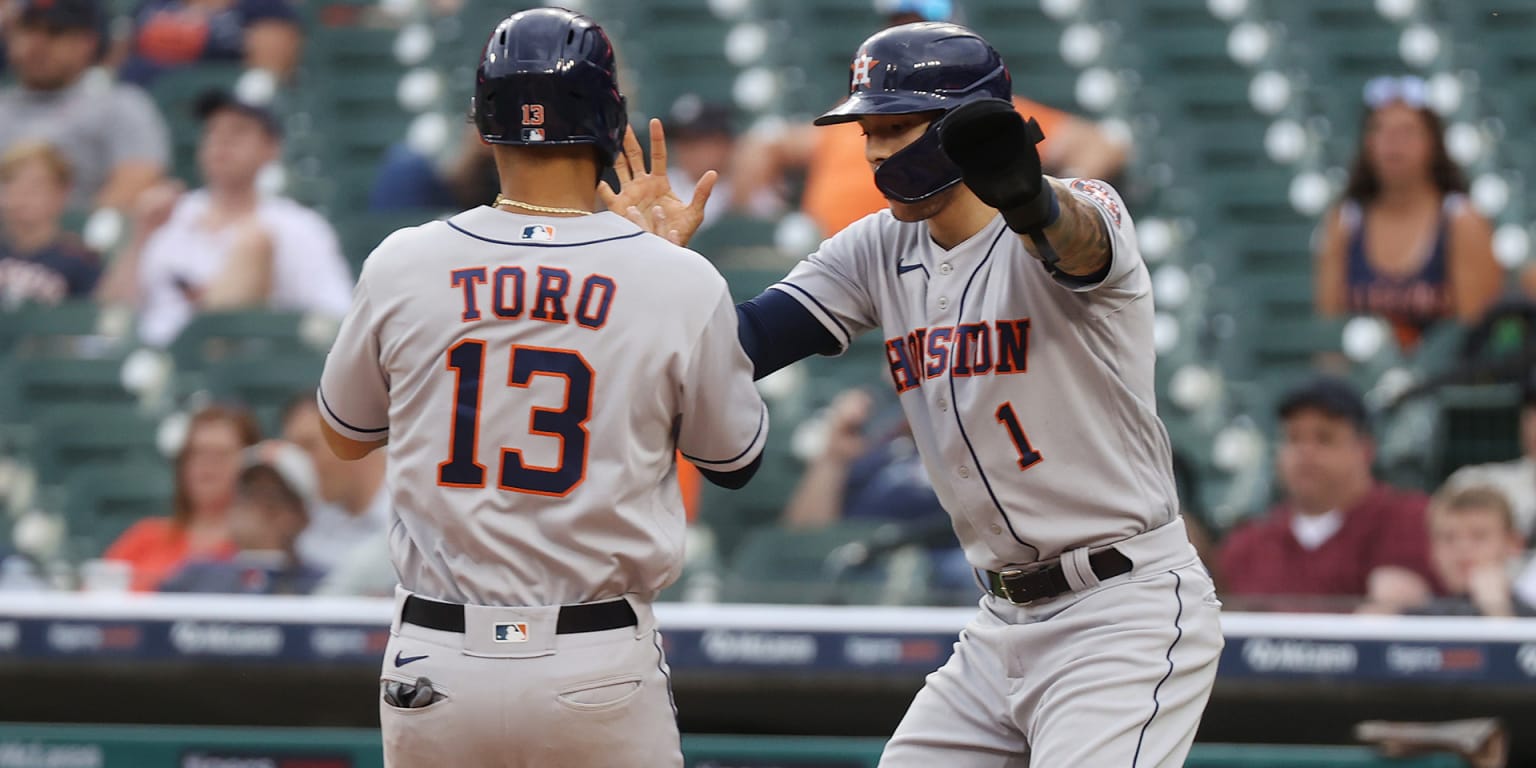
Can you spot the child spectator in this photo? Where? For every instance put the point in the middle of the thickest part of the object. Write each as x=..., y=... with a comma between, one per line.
x=277, y=486
x=206, y=471
x=1474, y=545
x=40, y=263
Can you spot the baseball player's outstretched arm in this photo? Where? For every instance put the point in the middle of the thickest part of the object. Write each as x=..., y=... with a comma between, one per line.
x=646, y=197
x=995, y=149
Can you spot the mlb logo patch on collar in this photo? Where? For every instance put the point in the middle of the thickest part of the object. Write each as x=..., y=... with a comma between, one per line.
x=541, y=232
x=511, y=632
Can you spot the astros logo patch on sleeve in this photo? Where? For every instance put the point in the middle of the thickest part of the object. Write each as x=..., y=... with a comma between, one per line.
x=541, y=232
x=1101, y=195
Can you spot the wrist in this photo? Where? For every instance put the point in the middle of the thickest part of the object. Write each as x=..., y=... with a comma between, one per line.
x=1035, y=214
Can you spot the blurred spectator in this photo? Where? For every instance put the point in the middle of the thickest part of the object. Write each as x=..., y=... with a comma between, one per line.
x=1516, y=479
x=1337, y=531
x=858, y=478
x=700, y=138
x=408, y=180
x=1474, y=546
x=227, y=246
x=277, y=485
x=206, y=470
x=839, y=183
x=353, y=501
x=169, y=34
x=112, y=133
x=1405, y=243
x=39, y=261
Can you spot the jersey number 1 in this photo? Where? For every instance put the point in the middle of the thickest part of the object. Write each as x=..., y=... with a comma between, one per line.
x=566, y=423
x=1028, y=456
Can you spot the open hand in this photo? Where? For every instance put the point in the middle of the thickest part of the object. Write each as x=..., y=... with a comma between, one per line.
x=646, y=197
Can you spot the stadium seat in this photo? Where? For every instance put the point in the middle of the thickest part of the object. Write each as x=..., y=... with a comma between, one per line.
x=91, y=434
x=104, y=501
x=776, y=565
x=212, y=337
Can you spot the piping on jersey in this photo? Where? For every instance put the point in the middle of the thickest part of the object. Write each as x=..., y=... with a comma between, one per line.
x=847, y=337
x=1178, y=584
x=960, y=423
x=343, y=423
x=762, y=418
x=521, y=243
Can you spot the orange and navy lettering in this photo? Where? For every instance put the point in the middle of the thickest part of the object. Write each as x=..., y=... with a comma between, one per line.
x=968, y=349
x=509, y=288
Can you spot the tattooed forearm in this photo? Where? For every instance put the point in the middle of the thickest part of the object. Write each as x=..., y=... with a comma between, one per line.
x=1080, y=236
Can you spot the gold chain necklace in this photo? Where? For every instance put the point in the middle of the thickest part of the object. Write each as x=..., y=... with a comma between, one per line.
x=502, y=200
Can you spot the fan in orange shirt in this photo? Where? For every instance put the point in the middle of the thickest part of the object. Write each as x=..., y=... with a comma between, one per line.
x=206, y=471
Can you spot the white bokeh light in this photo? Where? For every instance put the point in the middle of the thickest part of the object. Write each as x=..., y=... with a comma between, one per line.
x=1192, y=386
x=413, y=45
x=745, y=44
x=1248, y=43
x=1236, y=448
x=1309, y=193
x=1156, y=236
x=1363, y=338
x=1419, y=45
x=1227, y=10
x=1165, y=333
x=429, y=133
x=1269, y=92
x=1395, y=10
x=1061, y=10
x=729, y=9
x=1285, y=141
x=1170, y=287
x=1465, y=143
x=1490, y=193
x=1445, y=92
x=1511, y=245
x=796, y=233
x=1117, y=131
x=419, y=89
x=755, y=89
x=1097, y=89
x=1081, y=44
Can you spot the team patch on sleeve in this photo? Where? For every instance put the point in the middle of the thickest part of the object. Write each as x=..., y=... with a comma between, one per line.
x=1101, y=194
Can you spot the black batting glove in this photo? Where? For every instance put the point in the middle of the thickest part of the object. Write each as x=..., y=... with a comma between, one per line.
x=995, y=149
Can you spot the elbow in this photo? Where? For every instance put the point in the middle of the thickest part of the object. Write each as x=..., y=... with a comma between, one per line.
x=736, y=479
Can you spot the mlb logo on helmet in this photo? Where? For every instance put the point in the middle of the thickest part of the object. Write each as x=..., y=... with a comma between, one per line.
x=511, y=632
x=533, y=134
x=542, y=232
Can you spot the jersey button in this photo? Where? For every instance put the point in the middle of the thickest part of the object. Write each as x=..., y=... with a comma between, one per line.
x=943, y=404
x=965, y=471
x=943, y=302
x=945, y=268
x=997, y=529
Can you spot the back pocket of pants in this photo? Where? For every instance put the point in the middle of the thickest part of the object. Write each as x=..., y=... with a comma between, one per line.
x=595, y=695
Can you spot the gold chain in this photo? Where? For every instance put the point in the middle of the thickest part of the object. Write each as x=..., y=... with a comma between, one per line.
x=502, y=200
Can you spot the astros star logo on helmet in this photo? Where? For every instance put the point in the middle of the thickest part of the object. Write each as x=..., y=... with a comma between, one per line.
x=862, y=64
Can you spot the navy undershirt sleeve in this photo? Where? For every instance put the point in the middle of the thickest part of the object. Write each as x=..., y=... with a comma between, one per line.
x=733, y=480
x=775, y=330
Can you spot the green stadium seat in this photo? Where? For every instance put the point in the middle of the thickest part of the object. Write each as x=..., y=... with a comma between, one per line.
x=71, y=328
x=264, y=385
x=103, y=501
x=49, y=382
x=90, y=434
x=776, y=565
x=211, y=337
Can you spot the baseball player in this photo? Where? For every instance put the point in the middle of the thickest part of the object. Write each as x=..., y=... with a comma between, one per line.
x=1017, y=317
x=533, y=367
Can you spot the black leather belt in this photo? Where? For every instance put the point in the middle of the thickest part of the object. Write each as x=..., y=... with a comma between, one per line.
x=574, y=619
x=1022, y=587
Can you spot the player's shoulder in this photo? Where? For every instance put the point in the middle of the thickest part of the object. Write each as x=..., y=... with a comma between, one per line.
x=398, y=247
x=874, y=233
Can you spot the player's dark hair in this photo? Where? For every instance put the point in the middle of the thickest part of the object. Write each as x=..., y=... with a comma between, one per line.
x=245, y=426
x=1364, y=186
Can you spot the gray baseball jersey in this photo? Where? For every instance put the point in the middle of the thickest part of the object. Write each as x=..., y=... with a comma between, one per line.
x=535, y=377
x=1030, y=399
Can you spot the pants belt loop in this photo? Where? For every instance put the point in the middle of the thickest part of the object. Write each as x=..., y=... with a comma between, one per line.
x=1077, y=569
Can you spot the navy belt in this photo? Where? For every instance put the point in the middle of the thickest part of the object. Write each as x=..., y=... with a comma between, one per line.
x=574, y=619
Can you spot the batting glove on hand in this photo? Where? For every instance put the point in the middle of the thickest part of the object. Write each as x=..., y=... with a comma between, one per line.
x=995, y=149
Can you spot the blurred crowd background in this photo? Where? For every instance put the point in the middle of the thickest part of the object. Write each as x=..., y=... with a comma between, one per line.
x=1330, y=195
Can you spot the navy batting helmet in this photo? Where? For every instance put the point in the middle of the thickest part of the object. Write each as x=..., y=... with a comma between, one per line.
x=547, y=76
x=914, y=68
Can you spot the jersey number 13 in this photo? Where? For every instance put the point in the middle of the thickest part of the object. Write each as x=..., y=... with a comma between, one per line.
x=567, y=424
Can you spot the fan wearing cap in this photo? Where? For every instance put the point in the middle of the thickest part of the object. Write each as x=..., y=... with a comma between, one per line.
x=273, y=497
x=111, y=133
x=1404, y=244
x=227, y=245
x=1338, y=537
